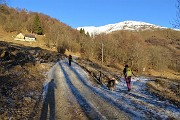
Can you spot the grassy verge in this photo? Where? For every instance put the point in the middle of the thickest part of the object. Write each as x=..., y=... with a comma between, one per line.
x=166, y=89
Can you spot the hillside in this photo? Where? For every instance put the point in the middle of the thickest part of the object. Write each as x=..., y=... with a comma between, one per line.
x=14, y=21
x=129, y=46
x=133, y=42
x=24, y=72
x=22, y=75
x=24, y=67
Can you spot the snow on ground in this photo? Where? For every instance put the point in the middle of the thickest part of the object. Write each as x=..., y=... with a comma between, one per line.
x=138, y=103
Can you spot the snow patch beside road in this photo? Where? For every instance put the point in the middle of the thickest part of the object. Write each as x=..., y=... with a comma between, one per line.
x=138, y=103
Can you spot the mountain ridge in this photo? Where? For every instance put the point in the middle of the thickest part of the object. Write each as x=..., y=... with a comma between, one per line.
x=125, y=25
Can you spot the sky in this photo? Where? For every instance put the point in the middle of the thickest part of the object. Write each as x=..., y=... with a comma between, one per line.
x=80, y=13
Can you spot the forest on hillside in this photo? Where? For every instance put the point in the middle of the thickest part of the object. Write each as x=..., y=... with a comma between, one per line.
x=154, y=49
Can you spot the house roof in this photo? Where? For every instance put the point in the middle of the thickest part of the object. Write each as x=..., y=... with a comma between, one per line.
x=20, y=35
x=30, y=36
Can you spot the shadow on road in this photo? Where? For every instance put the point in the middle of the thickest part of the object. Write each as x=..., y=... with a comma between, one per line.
x=49, y=102
x=103, y=95
x=90, y=111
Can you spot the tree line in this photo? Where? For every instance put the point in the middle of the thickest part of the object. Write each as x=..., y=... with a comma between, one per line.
x=157, y=49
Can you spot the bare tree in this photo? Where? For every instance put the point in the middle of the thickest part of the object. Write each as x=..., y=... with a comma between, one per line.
x=177, y=20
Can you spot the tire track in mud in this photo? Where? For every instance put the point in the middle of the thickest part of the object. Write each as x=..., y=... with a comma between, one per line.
x=106, y=109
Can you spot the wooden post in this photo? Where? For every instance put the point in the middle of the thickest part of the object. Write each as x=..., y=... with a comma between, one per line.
x=102, y=59
x=100, y=79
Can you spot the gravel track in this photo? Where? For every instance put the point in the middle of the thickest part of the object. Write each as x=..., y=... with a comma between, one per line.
x=72, y=96
x=74, y=100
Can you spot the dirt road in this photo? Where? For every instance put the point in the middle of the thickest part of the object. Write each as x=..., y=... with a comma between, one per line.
x=70, y=95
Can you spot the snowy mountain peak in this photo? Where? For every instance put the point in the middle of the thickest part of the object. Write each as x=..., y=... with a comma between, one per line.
x=126, y=25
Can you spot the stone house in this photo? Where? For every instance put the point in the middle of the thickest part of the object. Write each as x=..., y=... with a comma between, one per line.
x=26, y=37
x=29, y=37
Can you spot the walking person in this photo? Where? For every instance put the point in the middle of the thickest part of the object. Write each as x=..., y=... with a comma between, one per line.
x=70, y=60
x=127, y=75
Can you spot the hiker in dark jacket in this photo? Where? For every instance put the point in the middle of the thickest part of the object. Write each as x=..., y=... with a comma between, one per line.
x=70, y=60
x=127, y=75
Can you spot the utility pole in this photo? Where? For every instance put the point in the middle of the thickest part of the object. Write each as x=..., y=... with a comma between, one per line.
x=102, y=59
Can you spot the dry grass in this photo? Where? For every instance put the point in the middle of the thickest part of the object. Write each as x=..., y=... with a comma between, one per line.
x=165, y=74
x=166, y=89
x=9, y=37
x=21, y=83
x=67, y=53
x=166, y=85
x=23, y=87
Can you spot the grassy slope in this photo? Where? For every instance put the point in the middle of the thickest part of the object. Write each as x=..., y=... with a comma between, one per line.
x=165, y=86
x=22, y=79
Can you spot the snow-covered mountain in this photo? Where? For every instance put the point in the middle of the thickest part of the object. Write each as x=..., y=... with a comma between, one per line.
x=126, y=25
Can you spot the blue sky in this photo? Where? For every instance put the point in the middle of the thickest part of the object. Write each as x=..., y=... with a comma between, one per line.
x=79, y=13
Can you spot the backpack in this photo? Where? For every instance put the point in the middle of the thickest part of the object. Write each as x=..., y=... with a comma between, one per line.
x=70, y=57
x=128, y=72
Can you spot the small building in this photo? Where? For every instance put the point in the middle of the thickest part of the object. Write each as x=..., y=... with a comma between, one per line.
x=26, y=37
x=20, y=36
x=29, y=37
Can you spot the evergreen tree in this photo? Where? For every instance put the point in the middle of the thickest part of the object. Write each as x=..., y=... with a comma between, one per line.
x=37, y=26
x=87, y=34
x=82, y=31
